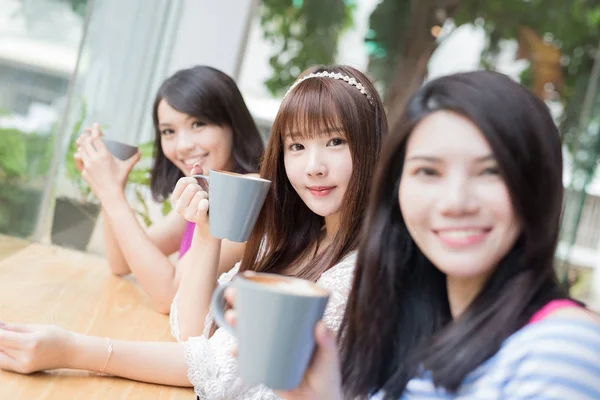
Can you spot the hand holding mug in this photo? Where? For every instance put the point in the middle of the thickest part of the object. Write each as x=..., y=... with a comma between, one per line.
x=190, y=199
x=105, y=173
x=237, y=200
x=322, y=378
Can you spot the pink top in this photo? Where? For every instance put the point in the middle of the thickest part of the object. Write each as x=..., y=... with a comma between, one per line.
x=186, y=239
x=550, y=308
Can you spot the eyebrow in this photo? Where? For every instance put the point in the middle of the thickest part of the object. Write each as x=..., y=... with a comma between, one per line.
x=168, y=124
x=323, y=132
x=433, y=159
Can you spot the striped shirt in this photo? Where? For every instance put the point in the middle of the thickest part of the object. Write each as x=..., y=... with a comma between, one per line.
x=556, y=358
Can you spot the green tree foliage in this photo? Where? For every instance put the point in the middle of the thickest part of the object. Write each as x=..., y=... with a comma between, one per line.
x=304, y=33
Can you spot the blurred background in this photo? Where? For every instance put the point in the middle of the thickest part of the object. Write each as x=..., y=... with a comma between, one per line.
x=67, y=63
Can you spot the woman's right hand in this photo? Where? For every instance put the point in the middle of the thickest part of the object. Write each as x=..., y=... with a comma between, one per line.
x=322, y=379
x=191, y=200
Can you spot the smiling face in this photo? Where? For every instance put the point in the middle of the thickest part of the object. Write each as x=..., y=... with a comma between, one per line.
x=319, y=168
x=186, y=140
x=453, y=199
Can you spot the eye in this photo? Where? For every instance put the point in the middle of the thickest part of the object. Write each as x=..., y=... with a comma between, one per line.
x=336, y=142
x=491, y=171
x=167, y=132
x=426, y=171
x=198, y=124
x=295, y=147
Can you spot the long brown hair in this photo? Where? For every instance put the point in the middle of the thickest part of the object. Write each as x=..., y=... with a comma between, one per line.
x=287, y=229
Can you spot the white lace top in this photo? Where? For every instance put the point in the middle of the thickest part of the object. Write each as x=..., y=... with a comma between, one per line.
x=211, y=366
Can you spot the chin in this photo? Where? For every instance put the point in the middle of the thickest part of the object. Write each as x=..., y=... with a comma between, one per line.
x=321, y=212
x=465, y=270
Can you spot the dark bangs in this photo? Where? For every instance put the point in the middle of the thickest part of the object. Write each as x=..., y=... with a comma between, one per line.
x=198, y=99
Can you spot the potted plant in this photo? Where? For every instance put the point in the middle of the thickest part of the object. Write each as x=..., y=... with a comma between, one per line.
x=75, y=217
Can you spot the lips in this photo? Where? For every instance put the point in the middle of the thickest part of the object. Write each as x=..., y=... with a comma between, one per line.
x=320, y=191
x=189, y=162
x=460, y=237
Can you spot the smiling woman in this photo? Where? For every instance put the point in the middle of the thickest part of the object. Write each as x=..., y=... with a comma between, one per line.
x=455, y=203
x=199, y=118
x=186, y=140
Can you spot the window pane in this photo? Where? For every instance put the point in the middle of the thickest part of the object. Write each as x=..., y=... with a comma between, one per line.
x=38, y=53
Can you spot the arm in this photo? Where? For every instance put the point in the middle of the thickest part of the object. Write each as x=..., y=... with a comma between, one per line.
x=116, y=262
x=164, y=235
x=145, y=254
x=206, y=260
x=202, y=264
x=126, y=239
x=154, y=362
x=27, y=348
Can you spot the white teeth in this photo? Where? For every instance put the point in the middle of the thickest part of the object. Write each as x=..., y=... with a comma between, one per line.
x=194, y=161
x=461, y=234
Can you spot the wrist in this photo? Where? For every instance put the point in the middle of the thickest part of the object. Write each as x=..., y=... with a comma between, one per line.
x=86, y=353
x=202, y=232
x=113, y=197
x=74, y=352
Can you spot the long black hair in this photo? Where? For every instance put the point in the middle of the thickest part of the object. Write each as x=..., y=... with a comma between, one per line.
x=398, y=317
x=211, y=95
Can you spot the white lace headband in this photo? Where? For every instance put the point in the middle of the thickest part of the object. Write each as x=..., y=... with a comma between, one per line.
x=325, y=74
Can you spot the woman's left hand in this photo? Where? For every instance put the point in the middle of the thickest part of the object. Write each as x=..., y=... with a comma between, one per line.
x=105, y=174
x=27, y=348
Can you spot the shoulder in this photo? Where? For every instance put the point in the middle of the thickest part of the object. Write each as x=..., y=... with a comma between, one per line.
x=562, y=327
x=560, y=353
x=576, y=314
x=345, y=265
x=340, y=274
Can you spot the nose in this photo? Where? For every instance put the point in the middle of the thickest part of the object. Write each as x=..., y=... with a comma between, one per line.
x=316, y=164
x=457, y=198
x=184, y=141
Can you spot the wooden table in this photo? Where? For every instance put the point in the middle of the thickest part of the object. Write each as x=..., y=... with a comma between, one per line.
x=45, y=284
x=10, y=245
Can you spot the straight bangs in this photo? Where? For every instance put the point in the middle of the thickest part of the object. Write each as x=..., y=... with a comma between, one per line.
x=198, y=103
x=301, y=117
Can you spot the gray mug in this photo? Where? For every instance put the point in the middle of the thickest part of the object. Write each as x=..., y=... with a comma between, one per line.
x=235, y=203
x=120, y=150
x=275, y=326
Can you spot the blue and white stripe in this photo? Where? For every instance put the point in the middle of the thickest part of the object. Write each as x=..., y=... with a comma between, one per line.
x=556, y=358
